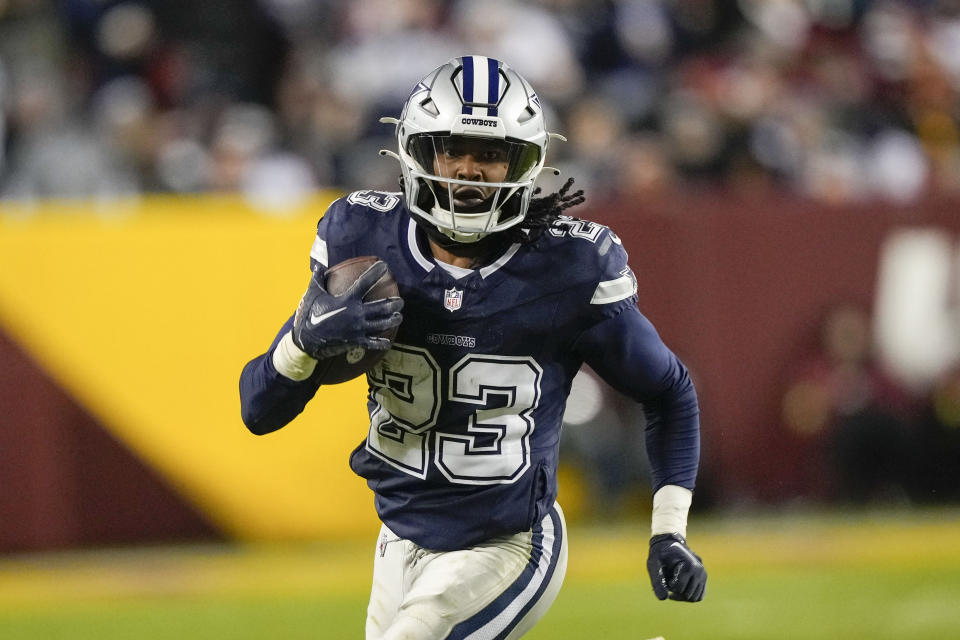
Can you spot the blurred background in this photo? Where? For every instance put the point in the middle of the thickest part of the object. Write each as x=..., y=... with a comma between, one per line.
x=785, y=175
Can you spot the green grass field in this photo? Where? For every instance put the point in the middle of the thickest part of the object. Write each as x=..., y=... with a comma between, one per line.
x=870, y=575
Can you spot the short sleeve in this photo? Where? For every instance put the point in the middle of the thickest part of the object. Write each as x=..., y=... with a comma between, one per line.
x=614, y=286
x=320, y=251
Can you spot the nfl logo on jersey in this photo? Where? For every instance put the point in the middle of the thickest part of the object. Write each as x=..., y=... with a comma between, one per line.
x=452, y=299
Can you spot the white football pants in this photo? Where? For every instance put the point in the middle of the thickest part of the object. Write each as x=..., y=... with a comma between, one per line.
x=496, y=590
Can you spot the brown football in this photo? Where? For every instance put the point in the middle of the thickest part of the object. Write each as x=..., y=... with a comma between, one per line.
x=337, y=279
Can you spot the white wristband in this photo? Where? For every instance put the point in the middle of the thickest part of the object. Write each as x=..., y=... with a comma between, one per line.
x=671, y=504
x=289, y=360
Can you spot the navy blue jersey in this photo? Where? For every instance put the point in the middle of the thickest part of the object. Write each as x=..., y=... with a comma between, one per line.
x=466, y=407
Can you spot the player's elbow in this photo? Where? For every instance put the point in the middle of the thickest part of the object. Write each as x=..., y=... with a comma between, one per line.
x=265, y=415
x=260, y=419
x=258, y=410
x=255, y=422
x=267, y=402
x=681, y=394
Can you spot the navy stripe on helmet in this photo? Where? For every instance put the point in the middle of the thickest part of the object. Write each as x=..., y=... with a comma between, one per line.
x=467, y=78
x=493, y=85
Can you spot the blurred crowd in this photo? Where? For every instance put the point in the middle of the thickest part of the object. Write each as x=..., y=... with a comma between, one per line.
x=836, y=100
x=860, y=434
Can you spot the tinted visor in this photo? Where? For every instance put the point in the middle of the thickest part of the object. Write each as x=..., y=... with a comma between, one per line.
x=474, y=158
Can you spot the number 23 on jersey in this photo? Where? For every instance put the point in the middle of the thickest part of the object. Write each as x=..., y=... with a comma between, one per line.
x=492, y=446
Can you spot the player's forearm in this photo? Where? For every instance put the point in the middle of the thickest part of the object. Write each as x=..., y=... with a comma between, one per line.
x=673, y=434
x=275, y=386
x=269, y=400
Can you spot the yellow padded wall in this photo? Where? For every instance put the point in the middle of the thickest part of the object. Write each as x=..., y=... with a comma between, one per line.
x=146, y=311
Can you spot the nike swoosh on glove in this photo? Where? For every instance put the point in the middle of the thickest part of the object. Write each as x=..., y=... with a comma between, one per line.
x=326, y=325
x=675, y=570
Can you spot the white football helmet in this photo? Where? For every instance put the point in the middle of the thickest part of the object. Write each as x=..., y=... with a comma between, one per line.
x=471, y=142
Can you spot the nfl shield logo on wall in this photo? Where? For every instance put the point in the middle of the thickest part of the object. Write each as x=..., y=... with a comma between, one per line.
x=452, y=299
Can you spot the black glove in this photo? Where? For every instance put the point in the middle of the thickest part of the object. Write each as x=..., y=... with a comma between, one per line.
x=674, y=569
x=326, y=325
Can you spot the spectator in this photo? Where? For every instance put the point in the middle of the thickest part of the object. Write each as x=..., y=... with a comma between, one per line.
x=845, y=417
x=839, y=102
x=937, y=470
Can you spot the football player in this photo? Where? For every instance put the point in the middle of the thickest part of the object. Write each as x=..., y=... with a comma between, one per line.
x=504, y=297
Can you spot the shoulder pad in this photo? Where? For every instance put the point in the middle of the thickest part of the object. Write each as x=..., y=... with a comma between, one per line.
x=351, y=215
x=568, y=226
x=349, y=222
x=592, y=247
x=374, y=201
x=598, y=256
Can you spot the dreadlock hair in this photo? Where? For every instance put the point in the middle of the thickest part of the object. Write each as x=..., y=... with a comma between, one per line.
x=543, y=211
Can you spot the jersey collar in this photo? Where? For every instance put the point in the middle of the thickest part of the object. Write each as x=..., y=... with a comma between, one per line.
x=428, y=263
